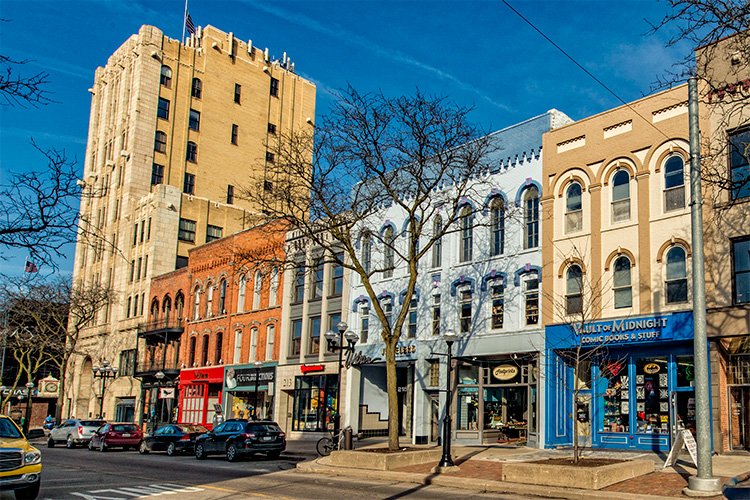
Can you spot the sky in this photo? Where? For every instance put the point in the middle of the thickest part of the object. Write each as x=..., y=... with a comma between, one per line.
x=479, y=54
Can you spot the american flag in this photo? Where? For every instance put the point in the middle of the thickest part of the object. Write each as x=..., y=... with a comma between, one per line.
x=189, y=25
x=30, y=267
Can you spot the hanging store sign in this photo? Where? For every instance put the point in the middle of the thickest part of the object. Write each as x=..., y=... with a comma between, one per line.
x=167, y=393
x=505, y=372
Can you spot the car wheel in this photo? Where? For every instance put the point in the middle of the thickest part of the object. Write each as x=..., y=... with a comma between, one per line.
x=70, y=443
x=273, y=455
x=171, y=449
x=232, y=455
x=91, y=446
x=200, y=453
x=102, y=447
x=29, y=492
x=143, y=448
x=50, y=443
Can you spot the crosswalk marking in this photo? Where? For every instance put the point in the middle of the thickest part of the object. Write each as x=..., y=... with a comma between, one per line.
x=144, y=491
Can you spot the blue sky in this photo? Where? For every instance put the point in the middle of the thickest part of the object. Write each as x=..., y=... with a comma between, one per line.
x=478, y=53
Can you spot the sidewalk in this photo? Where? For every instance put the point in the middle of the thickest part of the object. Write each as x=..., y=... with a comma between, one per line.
x=480, y=469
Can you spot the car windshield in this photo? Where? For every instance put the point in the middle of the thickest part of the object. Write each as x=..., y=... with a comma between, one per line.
x=263, y=428
x=8, y=430
x=125, y=428
x=193, y=428
x=91, y=423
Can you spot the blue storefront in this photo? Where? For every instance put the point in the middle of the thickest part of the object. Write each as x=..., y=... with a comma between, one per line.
x=635, y=382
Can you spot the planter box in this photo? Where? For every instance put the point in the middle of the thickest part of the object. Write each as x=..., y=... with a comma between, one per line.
x=567, y=476
x=355, y=459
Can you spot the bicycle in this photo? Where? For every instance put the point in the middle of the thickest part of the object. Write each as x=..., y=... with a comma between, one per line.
x=330, y=443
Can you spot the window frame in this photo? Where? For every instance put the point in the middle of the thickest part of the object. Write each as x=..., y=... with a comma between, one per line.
x=162, y=109
x=465, y=297
x=618, y=200
x=497, y=290
x=531, y=218
x=530, y=297
x=237, y=93
x=295, y=346
x=573, y=209
x=196, y=89
x=743, y=191
x=194, y=120
x=466, y=235
x=437, y=246
x=273, y=89
x=735, y=291
x=235, y=134
x=574, y=290
x=157, y=174
x=184, y=232
x=672, y=190
x=160, y=142
x=676, y=281
x=191, y=152
x=497, y=226
x=389, y=260
x=214, y=233
x=165, y=77
x=188, y=183
x=619, y=289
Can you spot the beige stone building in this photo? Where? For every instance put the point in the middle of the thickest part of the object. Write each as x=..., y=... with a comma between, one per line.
x=617, y=251
x=176, y=133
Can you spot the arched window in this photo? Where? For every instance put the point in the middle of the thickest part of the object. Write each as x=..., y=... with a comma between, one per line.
x=621, y=196
x=256, y=289
x=160, y=142
x=366, y=251
x=573, y=208
x=166, y=76
x=437, y=246
x=167, y=308
x=674, y=183
x=237, y=347
x=196, y=303
x=253, y=344
x=197, y=89
x=191, y=355
x=270, y=334
x=497, y=226
x=155, y=310
x=676, y=284
x=191, y=153
x=274, y=287
x=388, y=251
x=621, y=283
x=204, y=351
x=574, y=290
x=179, y=304
x=531, y=218
x=241, y=293
x=209, y=300
x=218, y=357
x=467, y=235
x=223, y=297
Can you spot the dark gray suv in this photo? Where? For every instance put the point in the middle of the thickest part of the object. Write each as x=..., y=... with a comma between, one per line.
x=239, y=437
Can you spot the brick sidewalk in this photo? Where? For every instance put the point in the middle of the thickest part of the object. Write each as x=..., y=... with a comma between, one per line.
x=669, y=484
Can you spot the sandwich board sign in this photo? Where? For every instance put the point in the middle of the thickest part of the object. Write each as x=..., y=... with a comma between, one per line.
x=684, y=439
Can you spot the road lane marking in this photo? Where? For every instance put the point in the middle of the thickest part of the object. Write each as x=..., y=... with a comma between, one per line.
x=137, y=491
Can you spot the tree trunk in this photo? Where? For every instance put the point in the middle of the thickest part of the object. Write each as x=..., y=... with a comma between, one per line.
x=575, y=427
x=392, y=387
x=61, y=390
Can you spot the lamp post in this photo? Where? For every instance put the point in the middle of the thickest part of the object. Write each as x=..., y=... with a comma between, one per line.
x=29, y=389
x=446, y=460
x=257, y=364
x=332, y=338
x=105, y=372
x=159, y=377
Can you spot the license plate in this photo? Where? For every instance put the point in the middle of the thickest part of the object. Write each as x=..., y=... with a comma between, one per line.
x=126, y=435
x=267, y=438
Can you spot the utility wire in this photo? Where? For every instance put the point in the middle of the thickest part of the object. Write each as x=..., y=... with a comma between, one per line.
x=584, y=69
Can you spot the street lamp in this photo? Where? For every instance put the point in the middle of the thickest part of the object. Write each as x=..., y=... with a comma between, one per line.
x=446, y=460
x=159, y=377
x=29, y=389
x=333, y=339
x=257, y=364
x=105, y=372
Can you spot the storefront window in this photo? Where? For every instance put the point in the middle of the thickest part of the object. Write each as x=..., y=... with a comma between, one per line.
x=616, y=397
x=506, y=409
x=685, y=371
x=468, y=375
x=314, y=402
x=652, y=395
x=468, y=409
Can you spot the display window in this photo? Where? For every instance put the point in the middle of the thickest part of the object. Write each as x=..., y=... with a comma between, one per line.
x=652, y=395
x=616, y=396
x=314, y=402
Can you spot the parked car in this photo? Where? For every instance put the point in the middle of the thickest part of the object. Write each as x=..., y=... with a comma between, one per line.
x=73, y=432
x=239, y=437
x=120, y=434
x=172, y=438
x=20, y=463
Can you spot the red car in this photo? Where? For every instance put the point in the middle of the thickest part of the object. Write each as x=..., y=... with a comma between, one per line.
x=122, y=434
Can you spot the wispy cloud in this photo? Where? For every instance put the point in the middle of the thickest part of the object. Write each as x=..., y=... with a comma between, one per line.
x=340, y=33
x=25, y=134
x=54, y=65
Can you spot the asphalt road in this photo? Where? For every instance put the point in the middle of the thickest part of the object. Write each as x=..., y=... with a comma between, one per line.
x=121, y=475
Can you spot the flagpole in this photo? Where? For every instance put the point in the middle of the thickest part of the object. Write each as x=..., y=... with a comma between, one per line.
x=184, y=22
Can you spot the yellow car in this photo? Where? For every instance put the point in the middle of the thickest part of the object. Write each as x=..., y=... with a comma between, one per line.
x=20, y=463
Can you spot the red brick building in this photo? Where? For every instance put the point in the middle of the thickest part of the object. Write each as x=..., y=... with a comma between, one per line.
x=223, y=310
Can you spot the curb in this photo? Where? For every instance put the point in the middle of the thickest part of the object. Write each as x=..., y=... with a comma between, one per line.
x=484, y=485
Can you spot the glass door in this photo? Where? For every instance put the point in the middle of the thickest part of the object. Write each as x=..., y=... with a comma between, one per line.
x=739, y=413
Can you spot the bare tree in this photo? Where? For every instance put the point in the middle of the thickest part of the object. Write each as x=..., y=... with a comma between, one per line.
x=44, y=321
x=418, y=154
x=16, y=89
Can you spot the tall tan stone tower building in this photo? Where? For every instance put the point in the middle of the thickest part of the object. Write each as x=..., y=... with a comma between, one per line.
x=176, y=132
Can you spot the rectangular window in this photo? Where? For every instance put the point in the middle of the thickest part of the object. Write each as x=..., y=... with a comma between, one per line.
x=237, y=92
x=434, y=372
x=180, y=262
x=465, y=310
x=213, y=233
x=143, y=230
x=296, y=337
x=235, y=133
x=132, y=270
x=333, y=320
x=739, y=144
x=436, y=314
x=388, y=311
x=741, y=266
x=186, y=231
x=157, y=174
x=271, y=128
x=135, y=234
x=498, y=305
x=145, y=266
x=270, y=157
x=317, y=286
x=194, y=122
x=148, y=231
x=299, y=284
x=314, y=347
x=188, y=186
x=127, y=309
x=197, y=88
x=337, y=276
x=268, y=186
x=274, y=87
x=163, y=111
x=364, y=323
x=411, y=331
x=230, y=194
x=531, y=300
x=191, y=152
